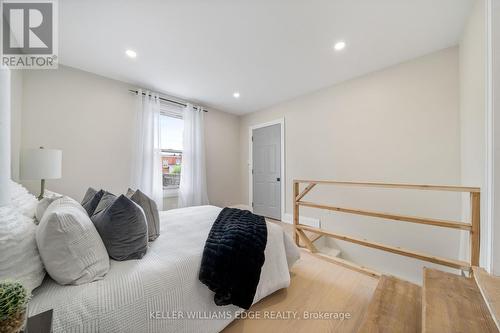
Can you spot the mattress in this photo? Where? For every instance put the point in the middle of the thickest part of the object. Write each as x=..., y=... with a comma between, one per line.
x=161, y=292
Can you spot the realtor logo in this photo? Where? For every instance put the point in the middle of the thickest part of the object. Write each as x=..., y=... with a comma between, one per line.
x=29, y=36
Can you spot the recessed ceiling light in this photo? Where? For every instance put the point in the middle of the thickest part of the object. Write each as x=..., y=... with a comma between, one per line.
x=131, y=54
x=236, y=94
x=339, y=46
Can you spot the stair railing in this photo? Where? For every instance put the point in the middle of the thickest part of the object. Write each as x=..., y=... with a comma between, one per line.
x=472, y=227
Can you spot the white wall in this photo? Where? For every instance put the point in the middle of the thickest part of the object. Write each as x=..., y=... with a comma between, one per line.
x=91, y=119
x=5, y=140
x=87, y=116
x=400, y=124
x=16, y=122
x=472, y=57
x=222, y=135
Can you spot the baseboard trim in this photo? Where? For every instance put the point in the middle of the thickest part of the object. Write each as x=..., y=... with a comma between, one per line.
x=310, y=221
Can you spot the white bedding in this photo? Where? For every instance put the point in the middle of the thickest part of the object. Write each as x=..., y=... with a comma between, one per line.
x=147, y=295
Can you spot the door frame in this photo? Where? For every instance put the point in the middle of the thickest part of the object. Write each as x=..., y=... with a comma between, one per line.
x=492, y=191
x=281, y=122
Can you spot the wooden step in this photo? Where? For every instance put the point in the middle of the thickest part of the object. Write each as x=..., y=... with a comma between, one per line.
x=395, y=307
x=490, y=289
x=453, y=303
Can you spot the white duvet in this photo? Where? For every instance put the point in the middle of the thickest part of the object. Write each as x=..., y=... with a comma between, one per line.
x=161, y=292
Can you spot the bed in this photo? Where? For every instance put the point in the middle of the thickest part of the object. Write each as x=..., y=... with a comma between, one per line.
x=161, y=292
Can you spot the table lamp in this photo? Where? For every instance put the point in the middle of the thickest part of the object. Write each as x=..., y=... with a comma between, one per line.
x=41, y=164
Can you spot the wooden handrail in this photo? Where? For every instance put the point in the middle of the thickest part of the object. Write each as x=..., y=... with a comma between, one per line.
x=473, y=228
x=348, y=264
x=306, y=190
x=395, y=217
x=395, y=185
x=396, y=250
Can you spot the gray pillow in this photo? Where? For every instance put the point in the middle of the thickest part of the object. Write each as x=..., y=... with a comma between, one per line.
x=71, y=249
x=106, y=200
x=150, y=209
x=123, y=228
x=91, y=200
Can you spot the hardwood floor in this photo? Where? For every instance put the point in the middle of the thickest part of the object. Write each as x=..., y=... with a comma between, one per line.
x=396, y=306
x=317, y=287
x=490, y=289
x=453, y=303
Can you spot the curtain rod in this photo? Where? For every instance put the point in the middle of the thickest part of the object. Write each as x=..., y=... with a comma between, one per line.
x=166, y=100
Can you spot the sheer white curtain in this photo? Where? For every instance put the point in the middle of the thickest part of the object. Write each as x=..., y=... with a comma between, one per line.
x=146, y=163
x=193, y=186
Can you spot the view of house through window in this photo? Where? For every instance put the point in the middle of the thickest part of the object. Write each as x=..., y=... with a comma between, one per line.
x=171, y=130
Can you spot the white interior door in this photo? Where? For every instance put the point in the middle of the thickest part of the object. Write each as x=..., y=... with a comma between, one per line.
x=266, y=171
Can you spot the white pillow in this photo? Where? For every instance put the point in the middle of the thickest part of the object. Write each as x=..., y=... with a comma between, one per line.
x=19, y=257
x=71, y=249
x=21, y=200
x=48, y=198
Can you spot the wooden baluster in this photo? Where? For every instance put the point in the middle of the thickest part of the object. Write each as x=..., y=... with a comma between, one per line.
x=475, y=200
x=295, y=212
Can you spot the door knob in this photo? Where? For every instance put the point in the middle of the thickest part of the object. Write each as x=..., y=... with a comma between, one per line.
x=278, y=179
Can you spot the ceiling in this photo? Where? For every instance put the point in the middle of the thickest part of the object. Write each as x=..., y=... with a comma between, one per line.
x=268, y=50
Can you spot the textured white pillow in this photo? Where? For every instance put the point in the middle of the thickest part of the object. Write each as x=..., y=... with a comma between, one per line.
x=71, y=249
x=19, y=258
x=48, y=198
x=21, y=200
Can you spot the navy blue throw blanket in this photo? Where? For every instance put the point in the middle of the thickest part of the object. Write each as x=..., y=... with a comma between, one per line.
x=233, y=257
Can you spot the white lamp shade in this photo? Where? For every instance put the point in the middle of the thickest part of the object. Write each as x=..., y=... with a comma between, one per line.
x=41, y=163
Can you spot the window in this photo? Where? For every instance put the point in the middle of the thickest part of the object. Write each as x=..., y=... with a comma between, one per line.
x=171, y=131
